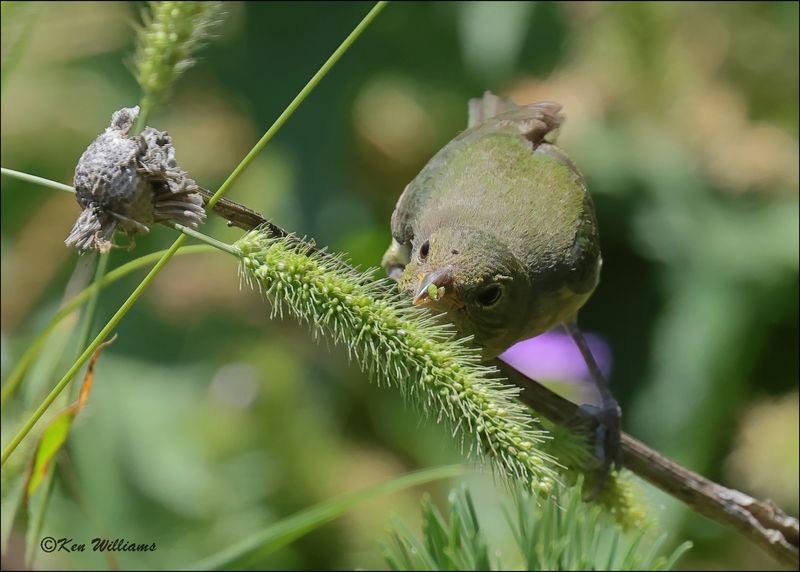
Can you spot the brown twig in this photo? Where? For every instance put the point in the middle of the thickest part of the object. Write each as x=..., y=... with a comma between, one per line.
x=239, y=215
x=762, y=522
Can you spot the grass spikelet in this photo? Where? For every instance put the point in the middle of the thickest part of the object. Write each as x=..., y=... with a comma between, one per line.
x=620, y=496
x=172, y=34
x=404, y=347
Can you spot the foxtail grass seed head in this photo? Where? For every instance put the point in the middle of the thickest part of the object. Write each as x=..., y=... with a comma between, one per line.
x=401, y=346
x=622, y=498
x=620, y=495
x=129, y=183
x=166, y=44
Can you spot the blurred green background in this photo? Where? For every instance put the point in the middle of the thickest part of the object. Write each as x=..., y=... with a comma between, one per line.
x=208, y=420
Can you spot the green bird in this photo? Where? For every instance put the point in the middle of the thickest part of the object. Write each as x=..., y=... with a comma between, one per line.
x=498, y=233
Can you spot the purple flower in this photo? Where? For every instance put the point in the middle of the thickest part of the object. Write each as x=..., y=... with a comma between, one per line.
x=553, y=356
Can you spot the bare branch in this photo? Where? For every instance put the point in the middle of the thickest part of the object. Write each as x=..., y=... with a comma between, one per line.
x=762, y=522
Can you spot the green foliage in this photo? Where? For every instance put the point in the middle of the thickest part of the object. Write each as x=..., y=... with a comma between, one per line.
x=401, y=346
x=272, y=538
x=562, y=535
x=454, y=544
x=17, y=24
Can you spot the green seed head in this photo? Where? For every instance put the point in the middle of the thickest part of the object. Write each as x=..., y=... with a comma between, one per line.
x=399, y=345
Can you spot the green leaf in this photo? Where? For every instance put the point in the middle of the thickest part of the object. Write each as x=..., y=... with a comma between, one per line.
x=289, y=529
x=53, y=438
x=55, y=434
x=676, y=555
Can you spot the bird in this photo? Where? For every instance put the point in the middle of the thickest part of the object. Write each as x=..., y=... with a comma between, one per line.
x=498, y=234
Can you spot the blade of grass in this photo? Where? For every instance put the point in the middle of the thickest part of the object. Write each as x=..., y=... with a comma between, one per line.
x=41, y=470
x=53, y=357
x=55, y=435
x=91, y=305
x=36, y=180
x=128, y=304
x=676, y=555
x=24, y=362
x=104, y=333
x=289, y=529
x=299, y=98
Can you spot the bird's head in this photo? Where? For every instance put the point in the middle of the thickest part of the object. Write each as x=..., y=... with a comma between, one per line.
x=474, y=278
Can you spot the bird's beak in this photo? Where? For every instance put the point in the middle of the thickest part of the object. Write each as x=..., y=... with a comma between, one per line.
x=436, y=283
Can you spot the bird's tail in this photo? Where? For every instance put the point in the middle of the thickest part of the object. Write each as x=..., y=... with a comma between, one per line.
x=537, y=122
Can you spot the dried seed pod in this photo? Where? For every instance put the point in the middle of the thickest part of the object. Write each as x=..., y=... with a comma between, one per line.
x=129, y=183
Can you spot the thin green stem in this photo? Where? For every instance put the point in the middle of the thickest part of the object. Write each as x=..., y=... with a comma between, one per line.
x=218, y=244
x=102, y=262
x=104, y=333
x=36, y=180
x=144, y=112
x=115, y=319
x=26, y=359
x=91, y=306
x=290, y=109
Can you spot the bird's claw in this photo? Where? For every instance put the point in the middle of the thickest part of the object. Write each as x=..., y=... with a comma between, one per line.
x=607, y=444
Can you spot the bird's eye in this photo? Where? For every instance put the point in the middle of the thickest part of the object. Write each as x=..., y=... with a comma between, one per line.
x=424, y=249
x=490, y=295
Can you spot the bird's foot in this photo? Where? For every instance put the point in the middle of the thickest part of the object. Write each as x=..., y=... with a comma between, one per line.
x=607, y=444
